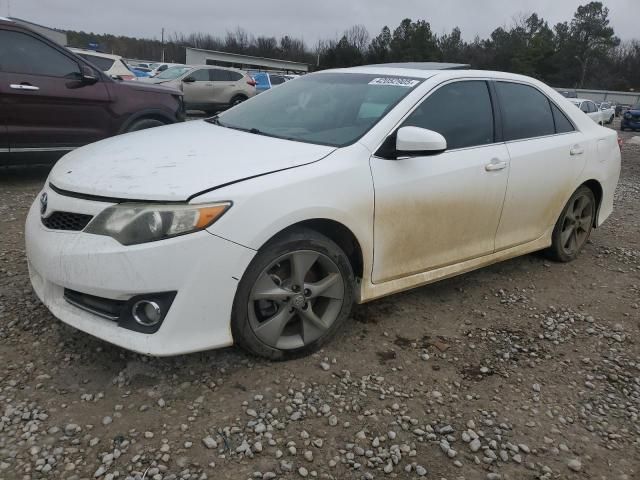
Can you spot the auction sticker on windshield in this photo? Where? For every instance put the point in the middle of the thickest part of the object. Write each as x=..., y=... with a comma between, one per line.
x=396, y=82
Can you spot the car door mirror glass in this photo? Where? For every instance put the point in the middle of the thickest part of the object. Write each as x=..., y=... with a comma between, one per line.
x=416, y=141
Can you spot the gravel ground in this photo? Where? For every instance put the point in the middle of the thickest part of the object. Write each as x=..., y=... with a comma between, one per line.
x=524, y=370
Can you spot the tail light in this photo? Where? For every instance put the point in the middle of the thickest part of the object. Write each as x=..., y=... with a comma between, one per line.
x=128, y=77
x=620, y=142
x=251, y=81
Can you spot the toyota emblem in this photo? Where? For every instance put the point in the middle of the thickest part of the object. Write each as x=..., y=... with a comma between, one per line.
x=43, y=203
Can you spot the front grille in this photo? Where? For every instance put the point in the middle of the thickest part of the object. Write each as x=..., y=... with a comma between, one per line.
x=66, y=221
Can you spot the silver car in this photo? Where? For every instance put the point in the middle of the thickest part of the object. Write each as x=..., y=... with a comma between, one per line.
x=208, y=88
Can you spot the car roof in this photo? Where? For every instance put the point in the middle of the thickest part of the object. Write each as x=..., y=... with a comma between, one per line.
x=424, y=65
x=581, y=100
x=94, y=53
x=214, y=66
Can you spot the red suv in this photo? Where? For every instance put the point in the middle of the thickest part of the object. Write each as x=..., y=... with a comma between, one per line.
x=52, y=101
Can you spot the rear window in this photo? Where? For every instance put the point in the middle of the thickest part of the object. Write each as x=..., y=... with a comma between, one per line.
x=563, y=125
x=235, y=76
x=102, y=63
x=526, y=112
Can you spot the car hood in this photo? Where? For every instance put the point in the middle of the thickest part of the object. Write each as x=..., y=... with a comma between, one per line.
x=149, y=87
x=633, y=112
x=176, y=162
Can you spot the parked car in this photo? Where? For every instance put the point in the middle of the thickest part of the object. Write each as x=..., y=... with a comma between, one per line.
x=265, y=80
x=590, y=108
x=112, y=65
x=157, y=68
x=631, y=118
x=261, y=226
x=208, y=88
x=54, y=100
x=141, y=72
x=608, y=112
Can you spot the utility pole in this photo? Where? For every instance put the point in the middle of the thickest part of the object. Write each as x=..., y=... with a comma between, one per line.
x=162, y=45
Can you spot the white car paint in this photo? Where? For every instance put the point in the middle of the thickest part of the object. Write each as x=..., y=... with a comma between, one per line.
x=608, y=112
x=590, y=108
x=117, y=69
x=416, y=220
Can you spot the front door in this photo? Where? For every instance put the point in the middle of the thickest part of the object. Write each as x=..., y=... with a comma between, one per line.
x=47, y=107
x=437, y=210
x=198, y=90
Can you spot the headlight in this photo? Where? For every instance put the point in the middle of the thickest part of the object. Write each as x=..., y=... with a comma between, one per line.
x=627, y=115
x=134, y=223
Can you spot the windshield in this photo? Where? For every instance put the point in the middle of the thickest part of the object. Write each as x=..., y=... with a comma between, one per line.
x=635, y=107
x=173, y=72
x=324, y=108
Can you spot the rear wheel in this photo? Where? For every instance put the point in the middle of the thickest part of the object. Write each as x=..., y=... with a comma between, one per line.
x=143, y=124
x=294, y=296
x=573, y=228
x=236, y=100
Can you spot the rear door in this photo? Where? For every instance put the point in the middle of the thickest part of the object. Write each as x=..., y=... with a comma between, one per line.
x=547, y=156
x=47, y=108
x=223, y=85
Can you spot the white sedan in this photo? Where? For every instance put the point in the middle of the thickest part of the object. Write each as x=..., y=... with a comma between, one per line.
x=263, y=225
x=592, y=110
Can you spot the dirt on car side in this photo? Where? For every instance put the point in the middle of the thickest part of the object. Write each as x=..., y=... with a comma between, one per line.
x=528, y=369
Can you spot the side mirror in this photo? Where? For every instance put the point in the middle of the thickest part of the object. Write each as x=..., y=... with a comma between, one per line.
x=188, y=80
x=89, y=76
x=416, y=141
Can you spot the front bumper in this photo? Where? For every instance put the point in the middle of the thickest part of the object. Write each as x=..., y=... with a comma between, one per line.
x=630, y=123
x=202, y=268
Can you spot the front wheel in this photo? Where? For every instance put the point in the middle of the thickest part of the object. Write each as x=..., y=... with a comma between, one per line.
x=143, y=124
x=573, y=228
x=295, y=295
x=237, y=100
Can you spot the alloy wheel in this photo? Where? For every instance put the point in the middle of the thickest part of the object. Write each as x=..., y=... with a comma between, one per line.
x=576, y=224
x=296, y=299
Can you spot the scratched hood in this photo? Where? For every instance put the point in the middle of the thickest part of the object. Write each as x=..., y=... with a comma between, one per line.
x=175, y=162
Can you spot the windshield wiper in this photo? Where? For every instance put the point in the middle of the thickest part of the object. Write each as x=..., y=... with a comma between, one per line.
x=215, y=120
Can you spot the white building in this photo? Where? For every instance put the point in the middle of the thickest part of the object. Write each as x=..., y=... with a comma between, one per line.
x=198, y=56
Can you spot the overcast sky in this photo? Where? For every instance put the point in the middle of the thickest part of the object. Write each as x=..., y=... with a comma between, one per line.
x=307, y=19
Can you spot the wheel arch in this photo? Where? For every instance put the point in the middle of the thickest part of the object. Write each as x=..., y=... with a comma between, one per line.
x=596, y=187
x=339, y=233
x=152, y=114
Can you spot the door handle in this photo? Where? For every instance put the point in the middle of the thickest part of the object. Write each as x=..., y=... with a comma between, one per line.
x=495, y=165
x=16, y=86
x=576, y=150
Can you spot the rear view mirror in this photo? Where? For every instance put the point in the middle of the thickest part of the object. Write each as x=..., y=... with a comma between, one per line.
x=416, y=141
x=188, y=80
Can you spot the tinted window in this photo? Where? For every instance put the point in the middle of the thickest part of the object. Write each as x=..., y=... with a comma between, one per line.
x=235, y=76
x=102, y=63
x=460, y=111
x=563, y=125
x=219, y=75
x=276, y=79
x=592, y=107
x=585, y=107
x=21, y=53
x=526, y=112
x=200, y=75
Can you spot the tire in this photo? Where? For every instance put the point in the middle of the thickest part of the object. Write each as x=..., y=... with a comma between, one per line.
x=236, y=100
x=611, y=120
x=271, y=317
x=574, y=226
x=143, y=124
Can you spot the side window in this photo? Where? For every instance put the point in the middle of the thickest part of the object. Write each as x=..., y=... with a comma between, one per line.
x=460, y=111
x=585, y=107
x=526, y=113
x=217, y=75
x=235, y=76
x=22, y=53
x=277, y=79
x=201, y=75
x=102, y=63
x=563, y=125
x=592, y=107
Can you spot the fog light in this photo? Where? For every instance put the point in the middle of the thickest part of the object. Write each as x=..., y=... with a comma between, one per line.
x=147, y=313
